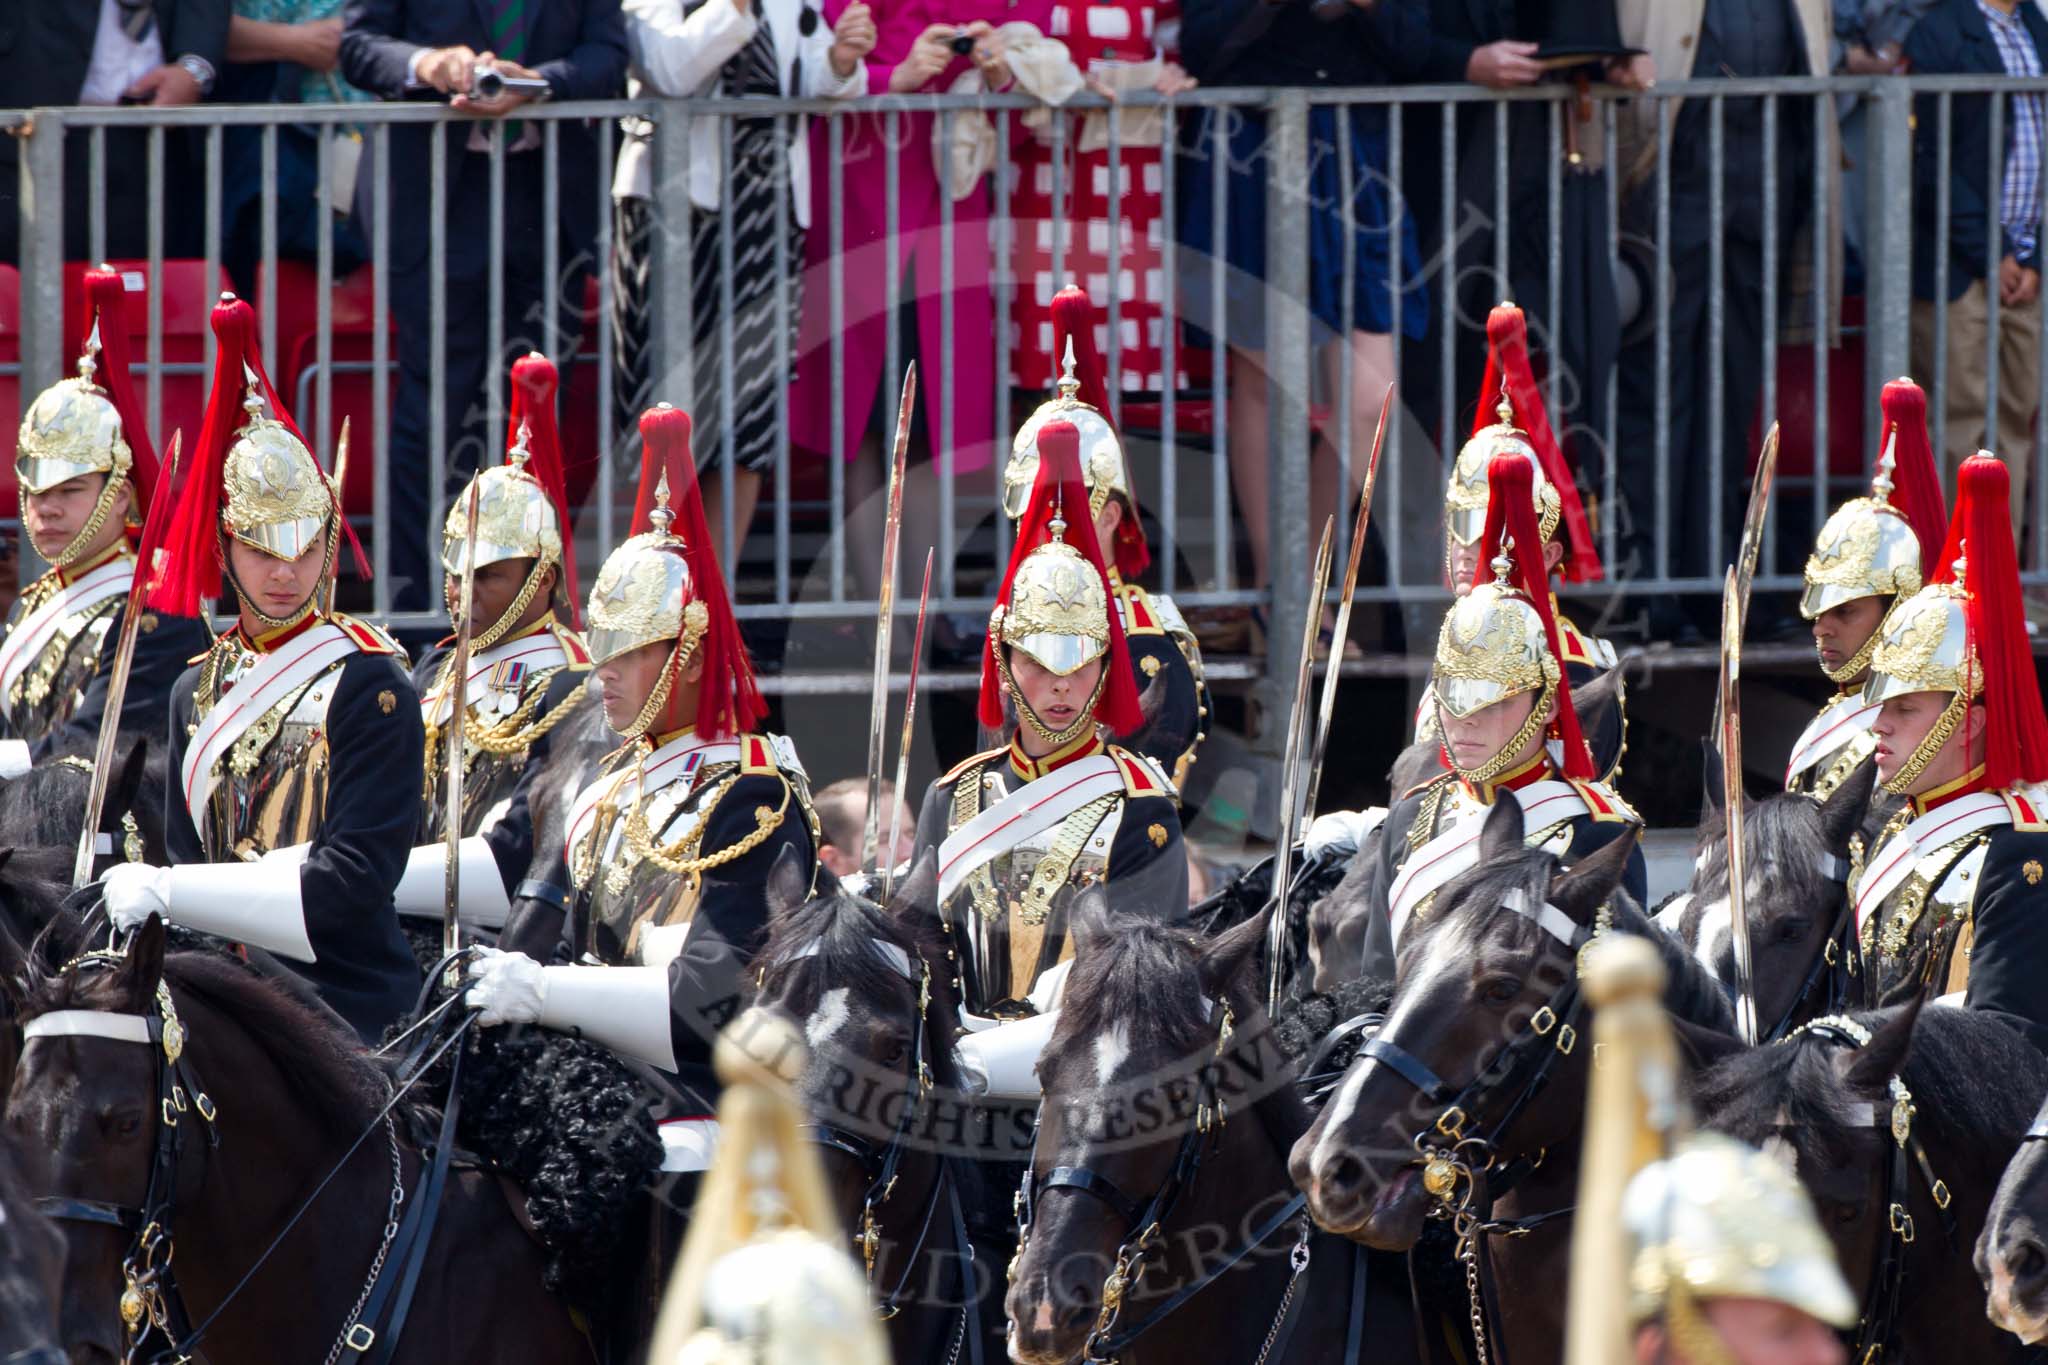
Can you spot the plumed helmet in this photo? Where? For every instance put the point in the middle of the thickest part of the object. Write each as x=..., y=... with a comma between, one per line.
x=1466, y=497
x=1878, y=545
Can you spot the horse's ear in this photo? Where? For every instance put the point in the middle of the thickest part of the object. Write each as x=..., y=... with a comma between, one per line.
x=1714, y=793
x=1088, y=919
x=127, y=783
x=1842, y=814
x=144, y=967
x=917, y=894
x=6, y=855
x=1595, y=699
x=1871, y=1067
x=1585, y=886
x=789, y=883
x=1500, y=838
x=1224, y=958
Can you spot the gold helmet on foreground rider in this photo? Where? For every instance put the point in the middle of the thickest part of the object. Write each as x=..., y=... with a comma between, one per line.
x=1692, y=1248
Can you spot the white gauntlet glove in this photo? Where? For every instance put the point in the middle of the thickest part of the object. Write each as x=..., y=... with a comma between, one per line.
x=506, y=988
x=134, y=892
x=14, y=759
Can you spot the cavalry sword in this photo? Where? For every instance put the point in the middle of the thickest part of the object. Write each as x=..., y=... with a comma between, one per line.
x=340, y=473
x=892, y=536
x=1752, y=535
x=924, y=598
x=153, y=520
x=1328, y=704
x=457, y=697
x=1730, y=705
x=1290, y=778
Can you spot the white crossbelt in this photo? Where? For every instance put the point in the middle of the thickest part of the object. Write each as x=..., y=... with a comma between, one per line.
x=1032, y=809
x=1456, y=850
x=274, y=677
x=24, y=644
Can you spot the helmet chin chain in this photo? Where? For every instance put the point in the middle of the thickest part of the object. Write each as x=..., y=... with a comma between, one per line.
x=1860, y=660
x=1928, y=749
x=74, y=549
x=310, y=606
x=500, y=628
x=1505, y=756
x=1083, y=723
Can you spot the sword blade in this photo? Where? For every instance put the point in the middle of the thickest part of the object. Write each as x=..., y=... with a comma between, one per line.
x=453, y=736
x=924, y=598
x=1277, y=926
x=1730, y=737
x=340, y=473
x=1328, y=704
x=1752, y=536
x=153, y=520
x=892, y=534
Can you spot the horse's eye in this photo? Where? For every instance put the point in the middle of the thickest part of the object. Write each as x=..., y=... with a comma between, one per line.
x=125, y=1124
x=1793, y=930
x=1499, y=990
x=894, y=1054
x=1845, y=1213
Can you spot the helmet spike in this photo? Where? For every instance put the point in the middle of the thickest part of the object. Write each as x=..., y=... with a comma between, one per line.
x=663, y=516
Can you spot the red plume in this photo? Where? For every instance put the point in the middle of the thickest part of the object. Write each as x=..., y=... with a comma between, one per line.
x=1507, y=366
x=1060, y=491
x=1074, y=316
x=1916, y=485
x=191, y=569
x=1511, y=512
x=2015, y=729
x=106, y=303
x=534, y=381
x=729, y=702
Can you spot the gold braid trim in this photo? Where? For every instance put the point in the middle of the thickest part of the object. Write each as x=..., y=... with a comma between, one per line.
x=451, y=589
x=672, y=858
x=506, y=736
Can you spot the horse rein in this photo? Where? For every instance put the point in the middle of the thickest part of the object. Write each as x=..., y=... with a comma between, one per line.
x=150, y=1299
x=1878, y=1321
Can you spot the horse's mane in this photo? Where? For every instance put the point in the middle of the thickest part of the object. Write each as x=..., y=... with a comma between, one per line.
x=320, y=1060
x=43, y=806
x=1140, y=973
x=1795, y=1090
x=844, y=928
x=1690, y=991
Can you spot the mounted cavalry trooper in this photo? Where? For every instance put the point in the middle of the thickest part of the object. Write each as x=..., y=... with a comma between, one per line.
x=528, y=665
x=1021, y=829
x=1948, y=899
x=1162, y=647
x=1870, y=556
x=1502, y=695
x=295, y=739
x=670, y=850
x=1522, y=429
x=86, y=471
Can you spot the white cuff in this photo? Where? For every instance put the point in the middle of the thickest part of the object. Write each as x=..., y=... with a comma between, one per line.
x=624, y=1008
x=254, y=903
x=14, y=759
x=1005, y=1056
x=423, y=891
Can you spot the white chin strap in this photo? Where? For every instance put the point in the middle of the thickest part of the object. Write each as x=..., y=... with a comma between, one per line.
x=423, y=890
x=119, y=1028
x=624, y=1008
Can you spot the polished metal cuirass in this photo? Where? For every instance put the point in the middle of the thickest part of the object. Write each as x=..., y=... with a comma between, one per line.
x=490, y=771
x=50, y=689
x=272, y=787
x=1910, y=939
x=636, y=910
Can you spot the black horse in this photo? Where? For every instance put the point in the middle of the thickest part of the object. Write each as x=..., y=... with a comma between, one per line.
x=45, y=806
x=289, y=1090
x=1469, y=1101
x=2012, y=1252
x=1802, y=934
x=31, y=1276
x=1873, y=1109
x=1161, y=1224
x=874, y=995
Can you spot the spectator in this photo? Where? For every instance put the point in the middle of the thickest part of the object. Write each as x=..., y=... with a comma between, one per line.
x=1120, y=45
x=842, y=819
x=1704, y=39
x=430, y=49
x=288, y=52
x=155, y=52
x=729, y=48
x=1870, y=40
x=1999, y=37
x=913, y=53
x=1253, y=43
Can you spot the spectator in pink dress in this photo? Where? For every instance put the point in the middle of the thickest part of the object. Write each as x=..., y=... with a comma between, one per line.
x=913, y=53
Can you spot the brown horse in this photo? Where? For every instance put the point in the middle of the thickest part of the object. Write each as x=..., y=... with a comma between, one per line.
x=1160, y=1224
x=287, y=1092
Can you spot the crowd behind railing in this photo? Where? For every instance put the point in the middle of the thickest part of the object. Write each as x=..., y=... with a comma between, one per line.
x=1694, y=256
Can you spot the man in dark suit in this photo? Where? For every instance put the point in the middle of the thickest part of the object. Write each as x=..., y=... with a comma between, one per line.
x=431, y=49
x=158, y=52
x=1993, y=233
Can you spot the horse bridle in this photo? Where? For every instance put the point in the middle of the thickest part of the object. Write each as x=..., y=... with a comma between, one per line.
x=149, y=1295
x=1461, y=1149
x=1887, y=1292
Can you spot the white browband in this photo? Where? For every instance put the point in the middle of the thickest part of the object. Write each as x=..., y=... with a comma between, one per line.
x=121, y=1028
x=891, y=955
x=1546, y=917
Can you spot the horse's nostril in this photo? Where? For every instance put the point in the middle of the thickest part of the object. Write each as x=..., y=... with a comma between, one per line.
x=1073, y=1317
x=2027, y=1262
x=1342, y=1175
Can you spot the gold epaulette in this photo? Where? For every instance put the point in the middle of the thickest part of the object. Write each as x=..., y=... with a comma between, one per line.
x=1142, y=777
x=1139, y=618
x=573, y=646
x=368, y=638
x=1604, y=804
x=954, y=773
x=1576, y=651
x=757, y=757
x=2028, y=816
x=1421, y=787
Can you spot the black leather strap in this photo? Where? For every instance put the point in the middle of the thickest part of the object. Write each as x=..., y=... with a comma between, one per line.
x=1082, y=1179
x=546, y=892
x=1119, y=1343
x=1407, y=1065
x=970, y=1283
x=1354, y=1333
x=415, y=1235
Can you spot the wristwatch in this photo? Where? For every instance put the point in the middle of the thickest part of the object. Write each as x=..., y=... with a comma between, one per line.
x=199, y=69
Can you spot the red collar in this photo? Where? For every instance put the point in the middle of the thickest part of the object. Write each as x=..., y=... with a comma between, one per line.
x=1031, y=769
x=67, y=576
x=1529, y=774
x=269, y=640
x=1968, y=784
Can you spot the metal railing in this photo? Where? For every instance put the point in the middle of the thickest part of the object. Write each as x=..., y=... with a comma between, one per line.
x=809, y=564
